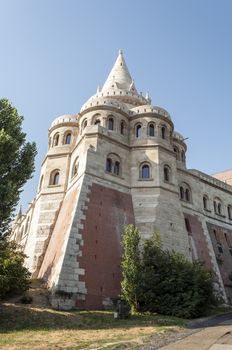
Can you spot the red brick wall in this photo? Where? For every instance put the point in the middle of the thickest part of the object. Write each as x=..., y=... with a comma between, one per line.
x=196, y=232
x=108, y=211
x=222, y=237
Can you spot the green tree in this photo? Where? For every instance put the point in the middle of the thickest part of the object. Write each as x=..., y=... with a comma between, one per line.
x=131, y=265
x=16, y=161
x=165, y=281
x=14, y=277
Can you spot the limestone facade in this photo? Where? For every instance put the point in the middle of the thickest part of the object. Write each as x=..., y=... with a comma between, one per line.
x=119, y=161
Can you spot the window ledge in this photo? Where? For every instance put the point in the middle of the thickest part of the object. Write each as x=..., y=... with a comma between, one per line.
x=208, y=210
x=183, y=200
x=221, y=215
x=150, y=179
x=112, y=174
x=54, y=186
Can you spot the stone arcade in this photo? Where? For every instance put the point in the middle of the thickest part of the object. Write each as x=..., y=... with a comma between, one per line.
x=116, y=162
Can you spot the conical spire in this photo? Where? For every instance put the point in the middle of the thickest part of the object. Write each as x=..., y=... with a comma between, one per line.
x=119, y=77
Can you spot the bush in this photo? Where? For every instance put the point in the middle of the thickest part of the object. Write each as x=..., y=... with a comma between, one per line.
x=167, y=283
x=14, y=277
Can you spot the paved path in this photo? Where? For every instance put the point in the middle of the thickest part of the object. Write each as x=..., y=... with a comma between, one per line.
x=204, y=334
x=216, y=335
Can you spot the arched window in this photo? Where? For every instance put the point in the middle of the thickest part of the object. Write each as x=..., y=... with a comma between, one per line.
x=84, y=124
x=122, y=128
x=56, y=140
x=138, y=130
x=116, y=168
x=185, y=192
x=217, y=206
x=163, y=132
x=167, y=173
x=177, y=152
x=181, y=192
x=54, y=178
x=145, y=171
x=75, y=167
x=229, y=210
x=151, y=129
x=111, y=123
x=187, y=195
x=109, y=165
x=205, y=202
x=96, y=119
x=113, y=164
x=67, y=140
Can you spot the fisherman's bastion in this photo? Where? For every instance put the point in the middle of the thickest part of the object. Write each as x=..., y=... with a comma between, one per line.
x=119, y=161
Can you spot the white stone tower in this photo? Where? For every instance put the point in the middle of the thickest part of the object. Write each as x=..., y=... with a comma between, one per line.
x=118, y=161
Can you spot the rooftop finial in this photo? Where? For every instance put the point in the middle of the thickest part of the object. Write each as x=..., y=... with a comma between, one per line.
x=120, y=52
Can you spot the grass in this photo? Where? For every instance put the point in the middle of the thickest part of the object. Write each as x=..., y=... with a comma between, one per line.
x=26, y=327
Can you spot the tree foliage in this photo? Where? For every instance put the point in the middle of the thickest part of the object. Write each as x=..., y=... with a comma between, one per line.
x=131, y=265
x=165, y=282
x=16, y=161
x=14, y=277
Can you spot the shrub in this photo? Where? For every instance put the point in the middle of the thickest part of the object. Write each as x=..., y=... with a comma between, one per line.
x=14, y=277
x=168, y=283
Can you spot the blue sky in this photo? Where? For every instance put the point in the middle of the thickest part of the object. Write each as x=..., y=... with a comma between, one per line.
x=54, y=54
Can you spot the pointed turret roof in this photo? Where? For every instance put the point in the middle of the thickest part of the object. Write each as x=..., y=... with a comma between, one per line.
x=119, y=77
x=119, y=86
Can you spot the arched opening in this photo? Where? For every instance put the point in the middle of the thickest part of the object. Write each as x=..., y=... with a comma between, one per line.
x=84, y=124
x=181, y=192
x=187, y=195
x=215, y=206
x=75, y=167
x=229, y=210
x=167, y=174
x=185, y=192
x=138, y=130
x=163, y=132
x=55, y=178
x=68, y=138
x=122, y=128
x=116, y=168
x=113, y=164
x=56, y=140
x=97, y=122
x=177, y=152
x=205, y=203
x=151, y=130
x=109, y=165
x=219, y=208
x=111, y=123
x=145, y=171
